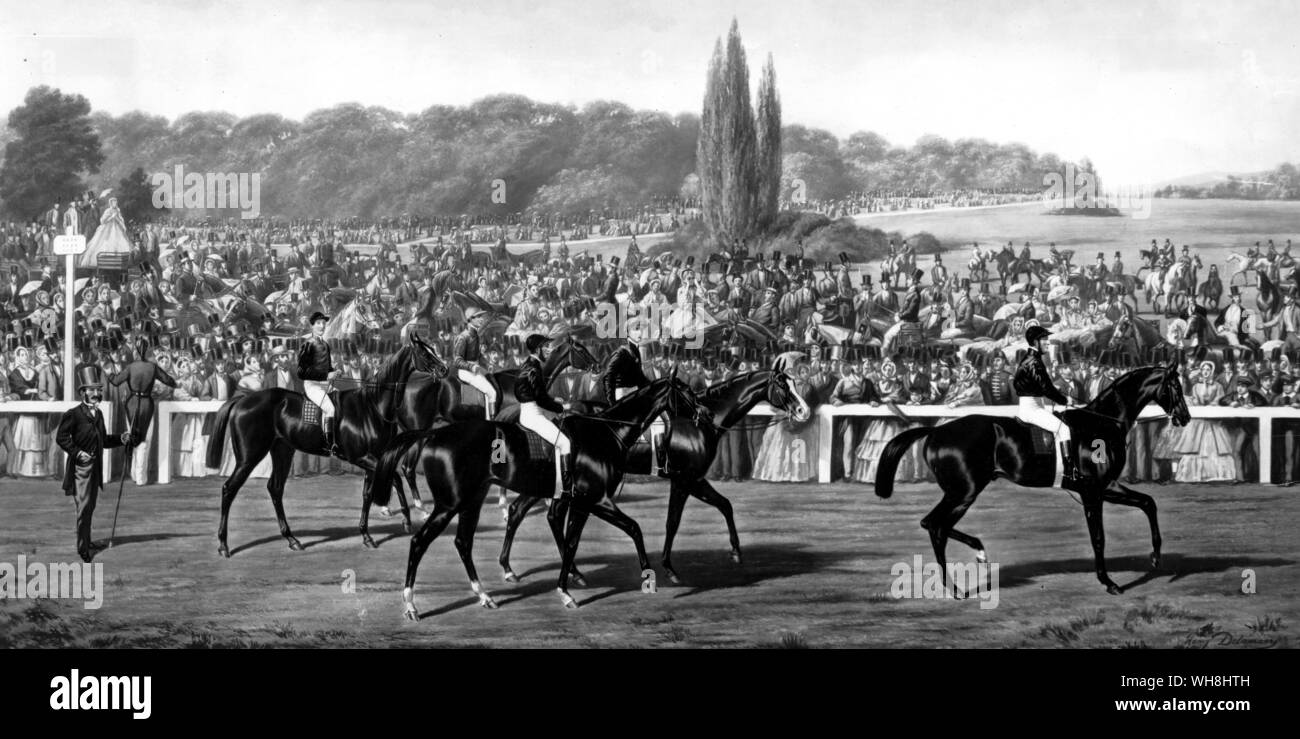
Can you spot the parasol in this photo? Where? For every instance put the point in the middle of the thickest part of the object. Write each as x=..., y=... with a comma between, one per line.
x=1019, y=286
x=30, y=287
x=1060, y=292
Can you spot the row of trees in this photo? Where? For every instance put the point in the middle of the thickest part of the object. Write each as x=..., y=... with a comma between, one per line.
x=353, y=160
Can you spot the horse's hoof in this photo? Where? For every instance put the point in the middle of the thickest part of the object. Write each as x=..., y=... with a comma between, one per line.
x=409, y=613
x=981, y=557
x=486, y=601
x=1155, y=560
x=735, y=557
x=648, y=584
x=578, y=579
x=673, y=578
x=368, y=542
x=509, y=575
x=295, y=545
x=224, y=551
x=383, y=511
x=406, y=526
x=1113, y=589
x=568, y=600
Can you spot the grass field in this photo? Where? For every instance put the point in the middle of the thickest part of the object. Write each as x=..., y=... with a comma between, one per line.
x=817, y=573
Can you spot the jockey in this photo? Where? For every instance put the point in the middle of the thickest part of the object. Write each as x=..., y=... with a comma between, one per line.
x=1034, y=386
x=465, y=354
x=316, y=369
x=623, y=374
x=531, y=392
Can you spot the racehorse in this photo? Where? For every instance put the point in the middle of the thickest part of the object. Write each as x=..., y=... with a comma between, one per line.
x=462, y=460
x=690, y=453
x=271, y=421
x=1011, y=266
x=432, y=397
x=1129, y=335
x=968, y=453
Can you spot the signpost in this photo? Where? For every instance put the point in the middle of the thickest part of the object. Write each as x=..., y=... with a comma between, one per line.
x=70, y=246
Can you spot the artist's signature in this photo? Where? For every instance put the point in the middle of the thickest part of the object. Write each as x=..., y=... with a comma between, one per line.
x=1206, y=637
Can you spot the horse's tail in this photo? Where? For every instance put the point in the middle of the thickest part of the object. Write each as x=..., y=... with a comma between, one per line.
x=381, y=487
x=217, y=441
x=894, y=451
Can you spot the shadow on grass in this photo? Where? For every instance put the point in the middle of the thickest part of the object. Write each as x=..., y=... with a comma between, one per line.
x=393, y=530
x=1173, y=567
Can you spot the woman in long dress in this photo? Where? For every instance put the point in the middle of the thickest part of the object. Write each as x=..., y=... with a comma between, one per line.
x=250, y=381
x=110, y=238
x=189, y=444
x=49, y=382
x=1204, y=448
x=889, y=389
x=788, y=452
x=29, y=447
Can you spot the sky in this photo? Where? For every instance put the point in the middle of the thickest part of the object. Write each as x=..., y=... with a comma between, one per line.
x=1148, y=90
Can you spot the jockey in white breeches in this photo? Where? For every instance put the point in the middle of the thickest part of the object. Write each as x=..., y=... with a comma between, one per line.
x=533, y=397
x=1037, y=395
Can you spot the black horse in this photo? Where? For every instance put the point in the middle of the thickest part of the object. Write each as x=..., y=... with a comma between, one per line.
x=462, y=460
x=433, y=398
x=970, y=452
x=270, y=422
x=690, y=453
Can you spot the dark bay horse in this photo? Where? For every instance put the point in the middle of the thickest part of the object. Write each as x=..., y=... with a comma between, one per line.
x=691, y=451
x=270, y=422
x=431, y=398
x=462, y=460
x=968, y=453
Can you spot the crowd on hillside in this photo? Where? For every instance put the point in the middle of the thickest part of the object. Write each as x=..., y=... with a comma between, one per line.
x=222, y=314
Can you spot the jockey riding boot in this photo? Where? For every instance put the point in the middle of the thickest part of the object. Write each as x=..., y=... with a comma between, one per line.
x=566, y=475
x=328, y=430
x=1070, y=465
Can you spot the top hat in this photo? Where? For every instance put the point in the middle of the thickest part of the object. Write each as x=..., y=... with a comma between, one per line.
x=89, y=375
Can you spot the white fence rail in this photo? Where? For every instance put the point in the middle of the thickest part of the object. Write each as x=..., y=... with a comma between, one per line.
x=826, y=418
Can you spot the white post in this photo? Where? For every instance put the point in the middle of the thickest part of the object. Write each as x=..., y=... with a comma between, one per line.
x=825, y=442
x=69, y=358
x=1265, y=449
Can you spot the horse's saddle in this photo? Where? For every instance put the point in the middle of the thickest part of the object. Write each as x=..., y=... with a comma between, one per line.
x=1041, y=438
x=311, y=412
x=539, y=450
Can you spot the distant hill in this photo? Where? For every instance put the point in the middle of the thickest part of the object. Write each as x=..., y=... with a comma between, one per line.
x=1210, y=179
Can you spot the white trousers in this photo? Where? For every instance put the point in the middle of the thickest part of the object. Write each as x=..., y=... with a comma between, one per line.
x=534, y=419
x=1038, y=412
x=480, y=383
x=318, y=393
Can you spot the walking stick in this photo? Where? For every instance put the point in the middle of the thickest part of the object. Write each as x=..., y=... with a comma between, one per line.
x=120, y=484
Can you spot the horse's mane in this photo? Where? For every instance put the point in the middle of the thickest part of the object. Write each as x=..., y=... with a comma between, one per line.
x=718, y=389
x=1139, y=374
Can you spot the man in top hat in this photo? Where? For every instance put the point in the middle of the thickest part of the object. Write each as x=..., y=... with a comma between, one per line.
x=82, y=436
x=466, y=354
x=963, y=314
x=316, y=369
x=1117, y=267
x=1288, y=320
x=938, y=273
x=139, y=377
x=1033, y=384
x=1233, y=323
